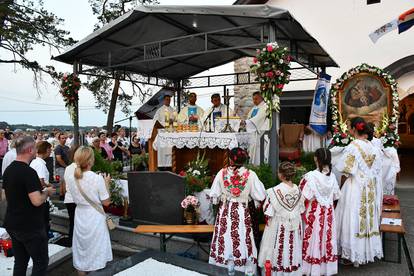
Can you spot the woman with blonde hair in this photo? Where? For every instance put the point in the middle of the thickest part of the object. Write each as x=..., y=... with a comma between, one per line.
x=91, y=242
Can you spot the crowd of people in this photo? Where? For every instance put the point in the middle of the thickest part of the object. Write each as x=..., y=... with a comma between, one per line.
x=30, y=163
x=332, y=215
x=310, y=225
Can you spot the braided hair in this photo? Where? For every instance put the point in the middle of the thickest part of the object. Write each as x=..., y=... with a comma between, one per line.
x=323, y=158
x=360, y=125
x=238, y=157
x=287, y=170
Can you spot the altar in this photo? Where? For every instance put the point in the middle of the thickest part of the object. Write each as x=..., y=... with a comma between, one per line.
x=186, y=145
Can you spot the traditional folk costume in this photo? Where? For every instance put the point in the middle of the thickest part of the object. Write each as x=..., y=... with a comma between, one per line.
x=319, y=247
x=282, y=237
x=358, y=209
x=233, y=234
x=390, y=166
x=258, y=122
x=164, y=154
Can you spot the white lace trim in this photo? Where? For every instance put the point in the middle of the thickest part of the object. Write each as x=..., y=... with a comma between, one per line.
x=204, y=140
x=355, y=257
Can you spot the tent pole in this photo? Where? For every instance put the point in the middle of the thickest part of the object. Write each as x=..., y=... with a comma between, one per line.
x=76, y=111
x=274, y=137
x=178, y=89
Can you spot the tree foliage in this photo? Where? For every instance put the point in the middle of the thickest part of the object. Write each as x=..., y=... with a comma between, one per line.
x=105, y=89
x=24, y=24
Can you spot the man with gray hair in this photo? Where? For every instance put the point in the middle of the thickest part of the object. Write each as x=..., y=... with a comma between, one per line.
x=24, y=219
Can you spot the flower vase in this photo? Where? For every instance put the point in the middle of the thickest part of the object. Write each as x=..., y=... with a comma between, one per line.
x=189, y=217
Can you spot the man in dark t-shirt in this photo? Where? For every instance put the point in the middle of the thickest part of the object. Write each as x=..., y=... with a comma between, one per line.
x=62, y=161
x=24, y=219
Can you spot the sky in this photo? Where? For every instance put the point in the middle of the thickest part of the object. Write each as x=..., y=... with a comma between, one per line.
x=21, y=102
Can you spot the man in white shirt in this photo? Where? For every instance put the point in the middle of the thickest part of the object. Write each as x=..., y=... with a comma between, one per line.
x=166, y=111
x=217, y=110
x=43, y=150
x=258, y=122
x=192, y=113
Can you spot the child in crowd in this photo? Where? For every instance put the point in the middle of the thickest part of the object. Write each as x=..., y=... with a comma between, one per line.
x=282, y=238
x=320, y=188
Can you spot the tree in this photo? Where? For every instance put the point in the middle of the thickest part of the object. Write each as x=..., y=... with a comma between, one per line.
x=105, y=89
x=24, y=24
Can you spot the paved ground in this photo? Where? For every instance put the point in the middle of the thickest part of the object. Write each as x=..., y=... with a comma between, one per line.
x=405, y=190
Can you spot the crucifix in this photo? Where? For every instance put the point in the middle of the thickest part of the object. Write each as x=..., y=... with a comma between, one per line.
x=226, y=98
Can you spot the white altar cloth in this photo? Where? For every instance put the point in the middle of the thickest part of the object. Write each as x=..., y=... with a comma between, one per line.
x=204, y=140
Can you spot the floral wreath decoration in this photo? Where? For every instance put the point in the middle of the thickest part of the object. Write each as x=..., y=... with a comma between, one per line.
x=69, y=89
x=271, y=66
x=341, y=136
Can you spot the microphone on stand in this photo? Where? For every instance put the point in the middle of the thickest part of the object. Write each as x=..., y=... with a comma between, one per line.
x=209, y=118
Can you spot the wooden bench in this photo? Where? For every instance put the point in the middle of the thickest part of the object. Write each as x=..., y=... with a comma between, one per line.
x=172, y=230
x=394, y=212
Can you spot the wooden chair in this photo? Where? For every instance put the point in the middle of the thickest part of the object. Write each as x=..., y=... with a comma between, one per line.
x=290, y=141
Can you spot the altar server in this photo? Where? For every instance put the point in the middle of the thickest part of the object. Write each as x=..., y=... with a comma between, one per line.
x=233, y=234
x=359, y=208
x=258, y=122
x=320, y=189
x=215, y=111
x=192, y=113
x=165, y=112
x=282, y=237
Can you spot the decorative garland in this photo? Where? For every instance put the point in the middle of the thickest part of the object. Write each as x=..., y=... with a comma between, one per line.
x=271, y=66
x=341, y=136
x=69, y=88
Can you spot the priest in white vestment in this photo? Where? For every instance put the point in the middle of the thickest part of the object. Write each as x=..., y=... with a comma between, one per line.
x=217, y=110
x=166, y=111
x=258, y=122
x=192, y=113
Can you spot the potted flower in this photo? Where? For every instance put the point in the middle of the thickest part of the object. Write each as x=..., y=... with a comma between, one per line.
x=190, y=204
x=196, y=175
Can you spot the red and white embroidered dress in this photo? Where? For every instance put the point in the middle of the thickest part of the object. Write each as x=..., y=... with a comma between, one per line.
x=282, y=237
x=233, y=233
x=319, y=247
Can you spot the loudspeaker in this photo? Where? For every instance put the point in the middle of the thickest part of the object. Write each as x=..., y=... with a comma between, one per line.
x=155, y=197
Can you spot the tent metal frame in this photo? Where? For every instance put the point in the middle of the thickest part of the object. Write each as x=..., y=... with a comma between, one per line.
x=151, y=52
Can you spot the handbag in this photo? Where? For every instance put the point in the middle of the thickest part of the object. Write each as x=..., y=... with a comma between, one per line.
x=109, y=222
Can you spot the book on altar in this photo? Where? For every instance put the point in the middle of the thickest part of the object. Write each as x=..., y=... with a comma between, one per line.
x=220, y=123
x=391, y=221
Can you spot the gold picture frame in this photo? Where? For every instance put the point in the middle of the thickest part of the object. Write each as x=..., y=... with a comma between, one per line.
x=364, y=95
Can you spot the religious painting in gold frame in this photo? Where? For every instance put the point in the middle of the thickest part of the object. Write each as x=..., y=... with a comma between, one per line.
x=364, y=95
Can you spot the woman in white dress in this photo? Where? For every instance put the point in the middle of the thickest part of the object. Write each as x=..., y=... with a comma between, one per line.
x=91, y=246
x=358, y=209
x=320, y=189
x=282, y=238
x=233, y=233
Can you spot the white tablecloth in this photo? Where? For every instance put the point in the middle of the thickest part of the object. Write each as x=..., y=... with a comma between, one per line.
x=204, y=140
